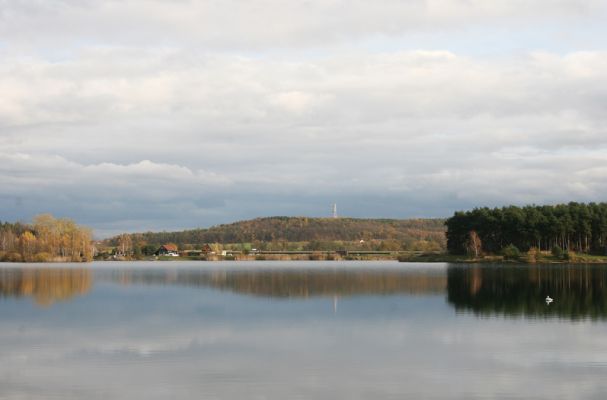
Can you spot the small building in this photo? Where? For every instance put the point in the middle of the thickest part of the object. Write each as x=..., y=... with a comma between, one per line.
x=167, y=250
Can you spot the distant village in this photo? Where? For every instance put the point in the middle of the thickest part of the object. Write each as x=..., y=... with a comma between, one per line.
x=171, y=250
x=214, y=252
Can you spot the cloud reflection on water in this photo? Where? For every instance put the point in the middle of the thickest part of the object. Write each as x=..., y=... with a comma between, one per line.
x=158, y=333
x=580, y=291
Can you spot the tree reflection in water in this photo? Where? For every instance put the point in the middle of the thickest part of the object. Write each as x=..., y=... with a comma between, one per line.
x=45, y=285
x=285, y=283
x=579, y=291
x=48, y=285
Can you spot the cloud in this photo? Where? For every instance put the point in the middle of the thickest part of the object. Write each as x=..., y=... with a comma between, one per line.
x=105, y=192
x=261, y=23
x=105, y=84
x=132, y=115
x=132, y=135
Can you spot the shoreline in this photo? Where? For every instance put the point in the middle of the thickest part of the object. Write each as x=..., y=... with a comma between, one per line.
x=525, y=259
x=402, y=258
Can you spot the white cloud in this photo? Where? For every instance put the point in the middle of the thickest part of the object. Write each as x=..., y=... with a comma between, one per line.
x=53, y=170
x=261, y=23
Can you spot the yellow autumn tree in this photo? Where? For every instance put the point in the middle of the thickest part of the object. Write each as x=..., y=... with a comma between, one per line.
x=27, y=245
x=63, y=238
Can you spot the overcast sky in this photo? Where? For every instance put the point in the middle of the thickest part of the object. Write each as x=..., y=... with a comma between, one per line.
x=132, y=115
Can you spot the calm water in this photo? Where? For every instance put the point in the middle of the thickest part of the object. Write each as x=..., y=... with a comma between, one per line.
x=311, y=330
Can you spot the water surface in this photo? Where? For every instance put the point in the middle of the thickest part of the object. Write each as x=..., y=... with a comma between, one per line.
x=302, y=330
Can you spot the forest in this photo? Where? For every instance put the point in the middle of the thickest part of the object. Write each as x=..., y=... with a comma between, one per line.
x=301, y=233
x=46, y=239
x=565, y=227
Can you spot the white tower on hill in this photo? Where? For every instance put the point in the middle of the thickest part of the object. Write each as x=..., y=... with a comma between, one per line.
x=334, y=210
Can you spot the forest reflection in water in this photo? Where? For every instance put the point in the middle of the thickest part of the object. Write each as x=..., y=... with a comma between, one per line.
x=298, y=283
x=513, y=290
x=45, y=285
x=579, y=291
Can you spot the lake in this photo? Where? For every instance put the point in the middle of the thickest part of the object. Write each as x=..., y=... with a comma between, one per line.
x=302, y=330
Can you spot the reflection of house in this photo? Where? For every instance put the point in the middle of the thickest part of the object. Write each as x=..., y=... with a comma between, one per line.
x=167, y=250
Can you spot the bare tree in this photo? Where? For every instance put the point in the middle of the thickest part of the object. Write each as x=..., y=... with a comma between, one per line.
x=125, y=245
x=474, y=245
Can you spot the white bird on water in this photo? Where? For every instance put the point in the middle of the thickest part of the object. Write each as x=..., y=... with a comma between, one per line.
x=549, y=300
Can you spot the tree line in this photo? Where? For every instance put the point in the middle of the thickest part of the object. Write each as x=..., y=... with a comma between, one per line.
x=570, y=227
x=46, y=239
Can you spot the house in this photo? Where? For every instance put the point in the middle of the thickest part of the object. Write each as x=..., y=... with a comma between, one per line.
x=167, y=250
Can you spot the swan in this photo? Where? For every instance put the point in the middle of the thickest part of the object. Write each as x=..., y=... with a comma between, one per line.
x=549, y=300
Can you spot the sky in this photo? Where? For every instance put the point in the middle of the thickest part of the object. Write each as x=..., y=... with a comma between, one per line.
x=135, y=115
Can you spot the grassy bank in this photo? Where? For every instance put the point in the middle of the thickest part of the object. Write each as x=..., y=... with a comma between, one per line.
x=315, y=256
x=539, y=258
x=527, y=258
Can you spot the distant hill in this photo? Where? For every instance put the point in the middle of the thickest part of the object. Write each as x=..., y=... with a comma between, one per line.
x=304, y=229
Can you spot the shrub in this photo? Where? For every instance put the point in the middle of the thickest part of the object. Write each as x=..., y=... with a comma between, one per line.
x=533, y=255
x=569, y=255
x=557, y=252
x=42, y=257
x=13, y=257
x=315, y=256
x=511, y=252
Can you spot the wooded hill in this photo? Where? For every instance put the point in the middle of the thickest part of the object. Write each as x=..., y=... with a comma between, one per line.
x=404, y=233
